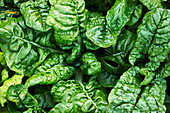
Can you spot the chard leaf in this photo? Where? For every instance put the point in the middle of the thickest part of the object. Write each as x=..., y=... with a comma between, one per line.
x=79, y=97
x=2, y=59
x=100, y=33
x=135, y=15
x=90, y=64
x=148, y=76
x=120, y=14
x=35, y=14
x=153, y=39
x=67, y=18
x=16, y=79
x=128, y=95
x=151, y=4
x=4, y=75
x=14, y=94
x=120, y=51
x=50, y=76
x=106, y=79
x=90, y=45
x=23, y=52
x=75, y=54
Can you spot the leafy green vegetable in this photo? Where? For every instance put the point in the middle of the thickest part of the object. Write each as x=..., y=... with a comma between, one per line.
x=67, y=18
x=153, y=39
x=35, y=14
x=19, y=50
x=84, y=56
x=78, y=97
x=135, y=15
x=129, y=96
x=104, y=36
x=91, y=66
x=120, y=14
x=151, y=4
x=16, y=79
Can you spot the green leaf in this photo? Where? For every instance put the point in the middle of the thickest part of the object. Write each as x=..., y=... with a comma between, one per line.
x=43, y=96
x=90, y=45
x=2, y=59
x=153, y=39
x=79, y=97
x=120, y=14
x=35, y=14
x=120, y=51
x=123, y=96
x=135, y=15
x=22, y=52
x=4, y=75
x=16, y=79
x=148, y=76
x=152, y=98
x=99, y=32
x=106, y=79
x=75, y=54
x=165, y=70
x=128, y=95
x=151, y=4
x=90, y=64
x=50, y=76
x=14, y=94
x=67, y=18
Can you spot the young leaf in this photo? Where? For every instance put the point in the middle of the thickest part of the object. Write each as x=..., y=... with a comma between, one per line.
x=91, y=66
x=16, y=79
x=153, y=39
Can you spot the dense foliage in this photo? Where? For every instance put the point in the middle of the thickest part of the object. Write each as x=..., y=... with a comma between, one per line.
x=84, y=56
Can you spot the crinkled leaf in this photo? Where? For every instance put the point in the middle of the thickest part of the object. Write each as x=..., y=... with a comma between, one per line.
x=153, y=39
x=151, y=4
x=120, y=14
x=21, y=50
x=4, y=75
x=14, y=94
x=76, y=51
x=78, y=97
x=123, y=96
x=67, y=18
x=90, y=64
x=35, y=14
x=152, y=98
x=90, y=45
x=16, y=79
x=135, y=15
x=2, y=59
x=129, y=96
x=100, y=33
x=49, y=76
